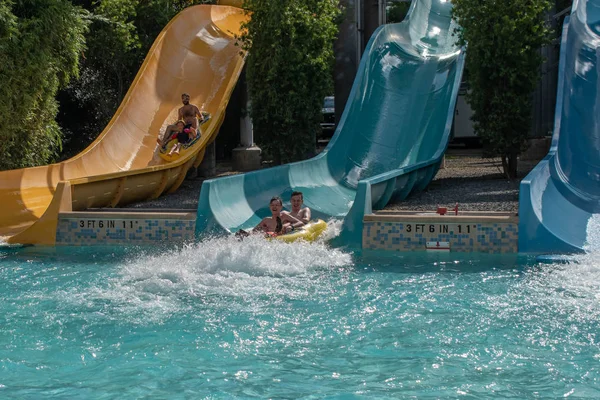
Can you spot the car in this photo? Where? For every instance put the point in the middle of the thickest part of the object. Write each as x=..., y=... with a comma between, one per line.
x=462, y=127
x=328, y=123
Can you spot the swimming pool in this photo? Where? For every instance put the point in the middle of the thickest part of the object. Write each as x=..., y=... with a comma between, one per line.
x=225, y=319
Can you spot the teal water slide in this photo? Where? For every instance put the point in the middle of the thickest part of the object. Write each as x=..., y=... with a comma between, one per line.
x=559, y=203
x=388, y=144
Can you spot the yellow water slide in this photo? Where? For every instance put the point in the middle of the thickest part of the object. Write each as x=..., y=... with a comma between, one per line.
x=194, y=53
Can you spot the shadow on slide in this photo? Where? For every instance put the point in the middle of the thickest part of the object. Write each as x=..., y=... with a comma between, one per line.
x=195, y=53
x=388, y=144
x=559, y=205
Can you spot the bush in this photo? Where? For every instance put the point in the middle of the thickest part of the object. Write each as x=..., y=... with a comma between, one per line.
x=503, y=64
x=40, y=42
x=290, y=63
x=397, y=11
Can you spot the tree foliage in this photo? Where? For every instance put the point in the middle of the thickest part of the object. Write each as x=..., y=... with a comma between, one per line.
x=503, y=63
x=40, y=44
x=44, y=45
x=397, y=11
x=562, y=4
x=290, y=62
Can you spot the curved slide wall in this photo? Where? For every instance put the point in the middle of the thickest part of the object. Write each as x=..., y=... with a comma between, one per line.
x=194, y=53
x=389, y=142
x=560, y=198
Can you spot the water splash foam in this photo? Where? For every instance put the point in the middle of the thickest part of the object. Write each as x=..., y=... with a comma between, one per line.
x=592, y=242
x=334, y=228
x=152, y=287
x=569, y=288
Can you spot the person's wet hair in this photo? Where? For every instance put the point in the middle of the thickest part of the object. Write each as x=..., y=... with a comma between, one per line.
x=276, y=198
x=297, y=194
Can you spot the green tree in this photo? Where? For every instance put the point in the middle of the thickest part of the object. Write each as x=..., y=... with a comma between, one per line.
x=503, y=62
x=108, y=67
x=40, y=43
x=562, y=4
x=397, y=11
x=290, y=62
x=8, y=22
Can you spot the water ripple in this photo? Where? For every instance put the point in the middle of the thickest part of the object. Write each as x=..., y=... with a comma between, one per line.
x=229, y=319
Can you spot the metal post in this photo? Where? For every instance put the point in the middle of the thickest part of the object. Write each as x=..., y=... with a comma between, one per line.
x=246, y=157
x=208, y=166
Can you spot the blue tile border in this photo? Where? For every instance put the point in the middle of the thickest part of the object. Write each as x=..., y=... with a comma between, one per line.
x=468, y=235
x=123, y=229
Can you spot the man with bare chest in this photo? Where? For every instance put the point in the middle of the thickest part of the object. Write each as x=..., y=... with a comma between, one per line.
x=189, y=112
x=299, y=212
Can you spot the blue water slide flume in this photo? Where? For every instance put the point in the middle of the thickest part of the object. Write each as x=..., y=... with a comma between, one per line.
x=389, y=142
x=560, y=199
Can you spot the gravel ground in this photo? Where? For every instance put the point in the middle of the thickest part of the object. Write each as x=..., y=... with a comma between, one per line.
x=477, y=184
x=186, y=197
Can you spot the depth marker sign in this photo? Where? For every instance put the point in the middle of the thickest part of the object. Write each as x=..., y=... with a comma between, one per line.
x=437, y=246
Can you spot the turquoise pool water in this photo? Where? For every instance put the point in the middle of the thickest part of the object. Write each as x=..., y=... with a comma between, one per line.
x=225, y=319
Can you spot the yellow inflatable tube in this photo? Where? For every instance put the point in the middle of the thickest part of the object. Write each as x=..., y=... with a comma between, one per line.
x=309, y=232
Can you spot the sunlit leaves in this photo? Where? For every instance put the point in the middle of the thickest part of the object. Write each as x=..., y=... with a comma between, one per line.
x=290, y=62
x=503, y=63
x=40, y=43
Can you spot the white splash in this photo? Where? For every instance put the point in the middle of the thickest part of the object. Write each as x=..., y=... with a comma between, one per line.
x=152, y=287
x=570, y=289
x=592, y=242
x=5, y=244
x=334, y=228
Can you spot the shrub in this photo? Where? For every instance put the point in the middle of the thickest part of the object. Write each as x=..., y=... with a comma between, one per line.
x=290, y=62
x=40, y=42
x=503, y=64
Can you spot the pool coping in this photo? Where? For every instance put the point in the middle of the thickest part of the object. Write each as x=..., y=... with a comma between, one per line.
x=171, y=214
x=463, y=216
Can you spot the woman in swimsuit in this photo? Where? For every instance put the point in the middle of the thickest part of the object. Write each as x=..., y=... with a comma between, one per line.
x=277, y=223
